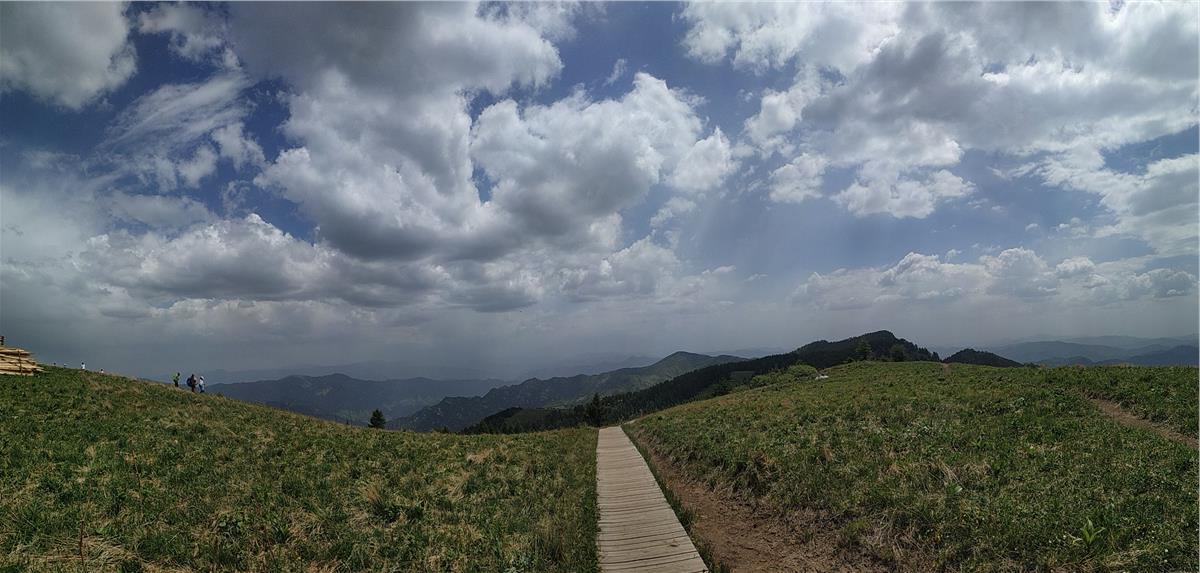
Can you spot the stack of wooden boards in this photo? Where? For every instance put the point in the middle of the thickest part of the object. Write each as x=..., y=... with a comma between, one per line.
x=17, y=362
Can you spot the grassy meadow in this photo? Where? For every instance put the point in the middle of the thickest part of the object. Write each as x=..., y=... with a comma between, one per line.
x=964, y=468
x=1166, y=395
x=101, y=473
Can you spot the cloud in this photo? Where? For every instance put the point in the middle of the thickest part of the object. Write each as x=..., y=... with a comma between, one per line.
x=889, y=192
x=175, y=116
x=704, y=166
x=165, y=137
x=1019, y=272
x=158, y=211
x=915, y=278
x=202, y=164
x=398, y=219
x=635, y=270
x=404, y=207
x=799, y=180
x=238, y=147
x=1012, y=275
x=1108, y=287
x=196, y=33
x=765, y=35
x=1161, y=205
x=475, y=48
x=673, y=208
x=916, y=86
x=557, y=167
x=226, y=259
x=382, y=159
x=1074, y=266
x=779, y=112
x=69, y=54
x=618, y=71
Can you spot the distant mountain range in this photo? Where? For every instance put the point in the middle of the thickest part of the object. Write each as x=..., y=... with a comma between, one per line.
x=591, y=364
x=1177, y=356
x=342, y=398
x=1117, y=350
x=1133, y=342
x=880, y=345
x=634, y=383
x=457, y=413
x=376, y=370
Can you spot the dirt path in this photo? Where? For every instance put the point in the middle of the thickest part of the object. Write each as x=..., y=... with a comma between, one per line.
x=743, y=540
x=1117, y=412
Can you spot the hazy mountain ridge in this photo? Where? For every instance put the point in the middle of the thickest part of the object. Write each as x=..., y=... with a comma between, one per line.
x=423, y=403
x=704, y=382
x=457, y=413
x=341, y=397
x=1159, y=351
x=596, y=364
x=1178, y=356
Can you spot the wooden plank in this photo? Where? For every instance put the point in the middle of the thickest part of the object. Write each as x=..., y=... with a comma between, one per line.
x=638, y=531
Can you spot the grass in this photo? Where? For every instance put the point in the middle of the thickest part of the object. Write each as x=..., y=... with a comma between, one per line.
x=101, y=473
x=1163, y=394
x=977, y=468
x=685, y=516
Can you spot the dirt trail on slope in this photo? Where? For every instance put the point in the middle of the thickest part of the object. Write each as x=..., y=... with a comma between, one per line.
x=1117, y=412
x=745, y=541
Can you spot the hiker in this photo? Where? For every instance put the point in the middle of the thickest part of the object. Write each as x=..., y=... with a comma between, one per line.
x=191, y=382
x=175, y=379
x=82, y=366
x=200, y=383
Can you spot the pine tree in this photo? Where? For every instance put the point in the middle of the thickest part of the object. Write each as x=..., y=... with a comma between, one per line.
x=595, y=411
x=377, y=420
x=863, y=351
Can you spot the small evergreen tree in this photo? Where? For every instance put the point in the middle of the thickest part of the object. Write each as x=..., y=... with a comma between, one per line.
x=863, y=350
x=897, y=353
x=377, y=420
x=595, y=411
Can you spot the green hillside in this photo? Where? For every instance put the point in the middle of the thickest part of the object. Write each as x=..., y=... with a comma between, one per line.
x=981, y=358
x=129, y=475
x=457, y=413
x=924, y=466
x=706, y=382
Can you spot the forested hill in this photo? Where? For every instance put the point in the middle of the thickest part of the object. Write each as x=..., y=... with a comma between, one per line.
x=881, y=345
x=342, y=398
x=981, y=358
x=456, y=413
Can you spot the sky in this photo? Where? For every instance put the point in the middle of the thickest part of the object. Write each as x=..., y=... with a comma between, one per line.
x=239, y=186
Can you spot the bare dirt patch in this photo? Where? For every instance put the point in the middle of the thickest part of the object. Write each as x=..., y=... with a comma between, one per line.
x=743, y=540
x=1117, y=412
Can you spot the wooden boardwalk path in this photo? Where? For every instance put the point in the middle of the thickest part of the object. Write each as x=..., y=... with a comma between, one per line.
x=639, y=532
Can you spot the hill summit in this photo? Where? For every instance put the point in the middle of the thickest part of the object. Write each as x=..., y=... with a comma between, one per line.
x=981, y=358
x=878, y=345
